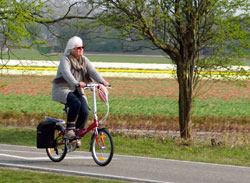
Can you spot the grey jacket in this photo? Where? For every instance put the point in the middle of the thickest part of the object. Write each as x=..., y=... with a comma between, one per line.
x=61, y=90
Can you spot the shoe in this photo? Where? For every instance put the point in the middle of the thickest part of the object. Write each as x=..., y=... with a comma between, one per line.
x=69, y=134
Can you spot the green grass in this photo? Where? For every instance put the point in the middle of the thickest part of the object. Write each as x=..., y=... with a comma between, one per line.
x=32, y=94
x=32, y=54
x=179, y=150
x=139, y=106
x=18, y=176
x=128, y=58
x=150, y=147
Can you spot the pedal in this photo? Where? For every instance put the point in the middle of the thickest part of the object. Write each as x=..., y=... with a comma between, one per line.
x=70, y=145
x=78, y=143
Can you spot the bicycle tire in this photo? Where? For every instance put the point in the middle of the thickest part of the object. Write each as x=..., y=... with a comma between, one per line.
x=102, y=147
x=59, y=151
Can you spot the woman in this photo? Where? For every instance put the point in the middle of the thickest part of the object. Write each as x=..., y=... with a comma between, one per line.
x=74, y=72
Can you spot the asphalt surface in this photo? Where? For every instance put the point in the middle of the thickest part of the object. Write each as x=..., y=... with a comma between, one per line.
x=126, y=168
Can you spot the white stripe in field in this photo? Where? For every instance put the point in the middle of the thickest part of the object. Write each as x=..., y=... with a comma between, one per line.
x=104, y=65
x=104, y=74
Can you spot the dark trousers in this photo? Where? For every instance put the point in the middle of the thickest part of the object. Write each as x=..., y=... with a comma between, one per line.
x=78, y=110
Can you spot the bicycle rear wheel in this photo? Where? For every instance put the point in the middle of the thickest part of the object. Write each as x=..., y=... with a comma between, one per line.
x=102, y=147
x=58, y=152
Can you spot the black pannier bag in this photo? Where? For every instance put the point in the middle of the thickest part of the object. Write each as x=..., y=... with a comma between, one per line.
x=45, y=134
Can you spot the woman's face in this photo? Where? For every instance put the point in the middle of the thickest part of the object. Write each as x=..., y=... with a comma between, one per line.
x=77, y=52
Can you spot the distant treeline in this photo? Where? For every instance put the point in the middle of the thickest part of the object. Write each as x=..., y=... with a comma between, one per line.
x=102, y=42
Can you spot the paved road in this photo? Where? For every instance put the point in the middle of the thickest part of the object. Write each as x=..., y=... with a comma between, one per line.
x=128, y=168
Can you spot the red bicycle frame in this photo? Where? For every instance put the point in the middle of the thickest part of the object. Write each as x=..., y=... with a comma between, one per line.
x=82, y=132
x=95, y=124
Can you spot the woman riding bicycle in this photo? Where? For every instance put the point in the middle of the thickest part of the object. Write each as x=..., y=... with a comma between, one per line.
x=74, y=72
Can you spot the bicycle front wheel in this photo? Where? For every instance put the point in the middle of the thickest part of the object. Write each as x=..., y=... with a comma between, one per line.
x=102, y=148
x=58, y=152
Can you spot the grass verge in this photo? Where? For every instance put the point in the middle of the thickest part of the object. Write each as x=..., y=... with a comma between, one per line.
x=149, y=147
x=18, y=176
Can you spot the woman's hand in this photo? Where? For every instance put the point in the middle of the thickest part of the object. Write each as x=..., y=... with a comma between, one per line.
x=105, y=83
x=82, y=84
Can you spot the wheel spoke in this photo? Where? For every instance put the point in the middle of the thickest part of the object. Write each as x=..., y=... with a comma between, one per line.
x=58, y=152
x=102, y=147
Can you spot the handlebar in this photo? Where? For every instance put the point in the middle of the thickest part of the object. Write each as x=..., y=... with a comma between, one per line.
x=92, y=85
x=103, y=95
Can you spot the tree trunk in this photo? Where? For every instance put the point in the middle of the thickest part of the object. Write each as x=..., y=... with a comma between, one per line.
x=185, y=75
